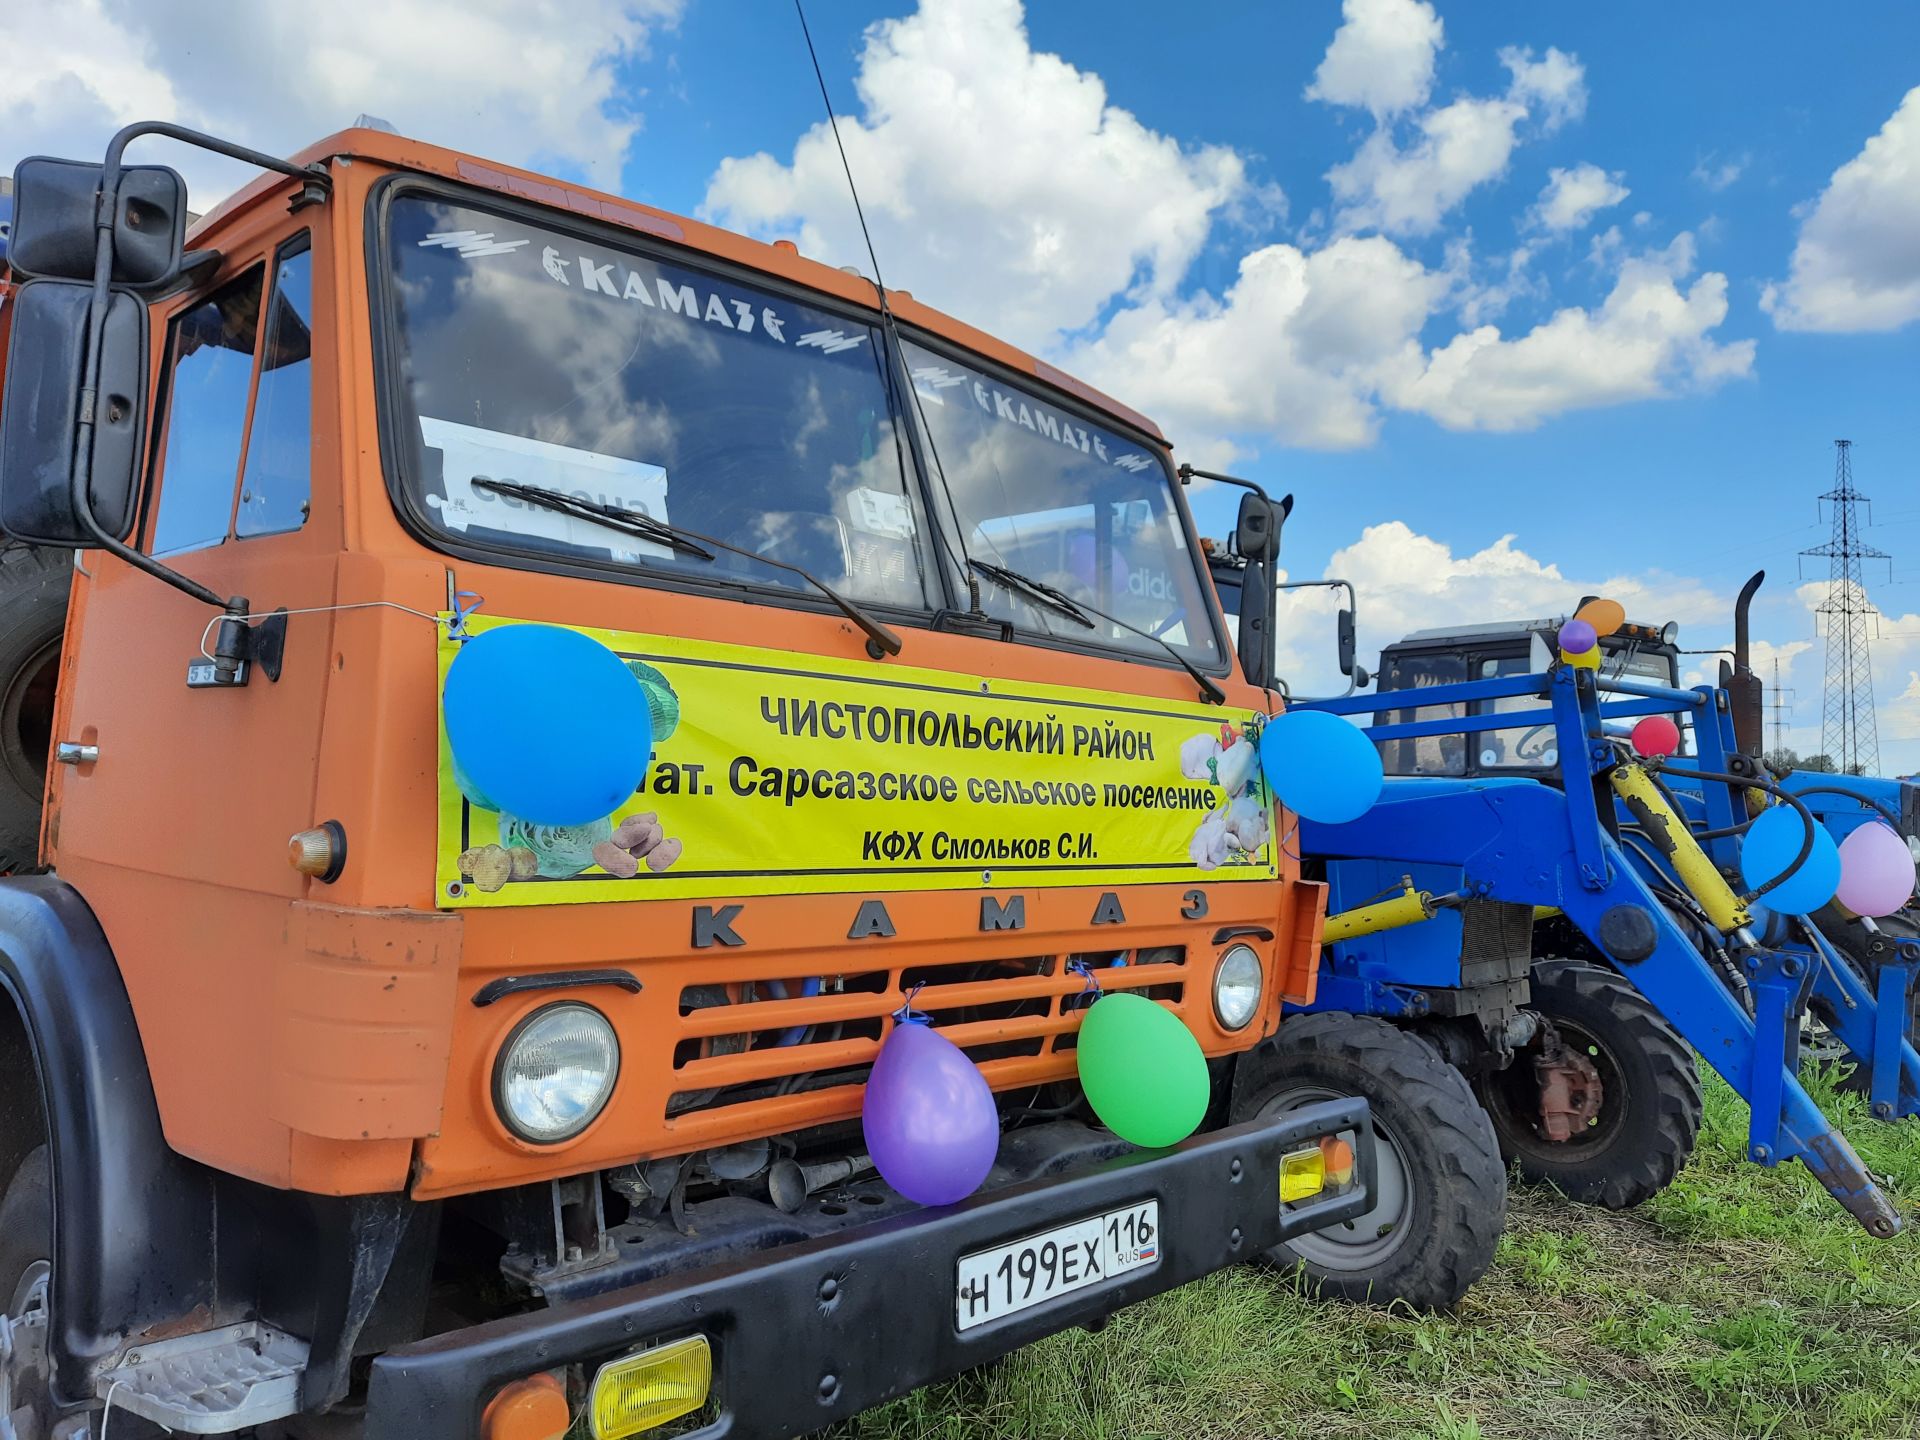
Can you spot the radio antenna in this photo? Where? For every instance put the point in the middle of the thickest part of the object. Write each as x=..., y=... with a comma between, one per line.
x=833, y=123
x=955, y=545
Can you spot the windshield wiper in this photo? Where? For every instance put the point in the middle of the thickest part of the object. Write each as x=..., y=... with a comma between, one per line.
x=1077, y=610
x=880, y=640
x=1034, y=590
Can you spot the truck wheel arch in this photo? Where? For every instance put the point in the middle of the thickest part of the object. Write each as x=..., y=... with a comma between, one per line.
x=133, y=1220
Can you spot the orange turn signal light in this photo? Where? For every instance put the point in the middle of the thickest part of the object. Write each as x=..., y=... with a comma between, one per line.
x=531, y=1409
x=1338, y=1155
x=320, y=852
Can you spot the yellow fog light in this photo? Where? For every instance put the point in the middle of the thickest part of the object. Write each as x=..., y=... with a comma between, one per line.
x=1302, y=1174
x=641, y=1391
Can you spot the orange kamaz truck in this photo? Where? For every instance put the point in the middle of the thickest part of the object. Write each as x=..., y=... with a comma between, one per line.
x=431, y=1121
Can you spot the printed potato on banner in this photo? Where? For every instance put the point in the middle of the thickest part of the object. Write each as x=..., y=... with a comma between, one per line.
x=764, y=772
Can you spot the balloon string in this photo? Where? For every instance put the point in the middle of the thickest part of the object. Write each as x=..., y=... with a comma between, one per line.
x=1092, y=992
x=907, y=1015
x=456, y=627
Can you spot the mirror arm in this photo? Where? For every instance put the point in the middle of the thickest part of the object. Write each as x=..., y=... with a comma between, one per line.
x=1353, y=607
x=230, y=647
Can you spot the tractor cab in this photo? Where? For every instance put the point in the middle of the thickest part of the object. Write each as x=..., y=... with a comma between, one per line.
x=1453, y=655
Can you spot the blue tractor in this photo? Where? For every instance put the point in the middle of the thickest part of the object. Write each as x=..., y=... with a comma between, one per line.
x=1840, y=803
x=1447, y=895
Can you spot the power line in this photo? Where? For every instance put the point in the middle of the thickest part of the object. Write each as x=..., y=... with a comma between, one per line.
x=1847, y=731
x=1780, y=702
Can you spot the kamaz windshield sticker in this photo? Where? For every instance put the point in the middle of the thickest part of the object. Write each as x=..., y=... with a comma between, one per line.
x=1010, y=407
x=668, y=294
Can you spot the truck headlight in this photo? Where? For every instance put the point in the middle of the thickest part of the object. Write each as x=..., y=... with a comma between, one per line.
x=1236, y=987
x=556, y=1072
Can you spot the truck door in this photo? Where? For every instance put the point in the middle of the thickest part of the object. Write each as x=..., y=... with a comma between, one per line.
x=177, y=833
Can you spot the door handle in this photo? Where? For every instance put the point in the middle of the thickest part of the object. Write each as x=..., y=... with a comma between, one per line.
x=71, y=752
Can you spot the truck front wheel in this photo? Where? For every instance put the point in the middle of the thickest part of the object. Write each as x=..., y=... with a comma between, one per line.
x=1631, y=1143
x=1441, y=1191
x=26, y=1273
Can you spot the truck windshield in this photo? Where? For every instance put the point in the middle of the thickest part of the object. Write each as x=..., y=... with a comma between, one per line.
x=1045, y=492
x=526, y=353
x=530, y=355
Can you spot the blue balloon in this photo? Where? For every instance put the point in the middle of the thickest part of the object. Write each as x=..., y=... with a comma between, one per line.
x=1319, y=766
x=546, y=724
x=1769, y=847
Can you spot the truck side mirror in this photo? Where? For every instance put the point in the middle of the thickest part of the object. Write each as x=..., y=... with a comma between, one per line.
x=54, y=232
x=1256, y=533
x=1347, y=643
x=41, y=413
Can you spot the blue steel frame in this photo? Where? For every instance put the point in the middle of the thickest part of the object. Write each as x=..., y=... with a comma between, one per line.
x=1521, y=841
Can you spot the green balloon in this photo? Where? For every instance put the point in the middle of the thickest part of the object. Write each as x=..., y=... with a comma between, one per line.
x=1142, y=1070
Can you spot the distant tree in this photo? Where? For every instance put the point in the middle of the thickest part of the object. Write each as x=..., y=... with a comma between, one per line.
x=1857, y=768
x=1822, y=763
x=1783, y=759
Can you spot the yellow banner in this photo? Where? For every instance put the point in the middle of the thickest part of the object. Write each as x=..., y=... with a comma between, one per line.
x=776, y=773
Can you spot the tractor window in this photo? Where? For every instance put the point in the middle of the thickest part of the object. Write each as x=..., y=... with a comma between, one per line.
x=1425, y=754
x=212, y=369
x=275, y=490
x=1530, y=748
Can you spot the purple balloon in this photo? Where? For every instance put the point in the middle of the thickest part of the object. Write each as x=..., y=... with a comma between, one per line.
x=1876, y=871
x=1577, y=637
x=929, y=1117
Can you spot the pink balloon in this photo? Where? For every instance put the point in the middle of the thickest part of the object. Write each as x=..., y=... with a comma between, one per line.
x=1876, y=871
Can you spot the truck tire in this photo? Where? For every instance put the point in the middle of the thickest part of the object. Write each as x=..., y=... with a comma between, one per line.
x=1650, y=1092
x=26, y=1250
x=34, y=581
x=1442, y=1189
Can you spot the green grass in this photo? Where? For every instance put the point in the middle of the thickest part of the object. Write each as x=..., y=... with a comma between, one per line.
x=1741, y=1303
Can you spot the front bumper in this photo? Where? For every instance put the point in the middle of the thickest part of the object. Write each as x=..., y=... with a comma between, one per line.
x=815, y=1332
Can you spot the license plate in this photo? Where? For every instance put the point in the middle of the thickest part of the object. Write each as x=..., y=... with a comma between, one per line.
x=1017, y=1276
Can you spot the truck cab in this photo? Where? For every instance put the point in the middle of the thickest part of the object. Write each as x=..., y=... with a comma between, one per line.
x=340, y=1095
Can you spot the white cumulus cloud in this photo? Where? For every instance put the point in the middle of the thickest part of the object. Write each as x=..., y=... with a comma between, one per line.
x=1381, y=58
x=524, y=81
x=1857, y=263
x=1647, y=338
x=1295, y=349
x=1000, y=183
x=1574, y=196
x=1408, y=188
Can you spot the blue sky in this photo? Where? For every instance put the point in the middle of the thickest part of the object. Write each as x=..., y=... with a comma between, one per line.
x=1284, y=230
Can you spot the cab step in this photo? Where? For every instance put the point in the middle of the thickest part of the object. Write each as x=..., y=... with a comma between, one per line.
x=212, y=1383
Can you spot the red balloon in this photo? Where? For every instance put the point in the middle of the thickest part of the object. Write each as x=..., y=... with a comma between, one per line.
x=1656, y=736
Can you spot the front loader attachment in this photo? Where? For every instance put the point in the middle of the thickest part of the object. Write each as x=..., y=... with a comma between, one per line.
x=1524, y=842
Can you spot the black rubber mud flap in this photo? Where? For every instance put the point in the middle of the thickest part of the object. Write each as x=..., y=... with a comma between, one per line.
x=34, y=581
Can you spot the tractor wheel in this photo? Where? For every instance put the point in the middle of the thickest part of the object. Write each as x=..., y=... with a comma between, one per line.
x=1853, y=941
x=1648, y=1114
x=1441, y=1189
x=33, y=616
x=26, y=1271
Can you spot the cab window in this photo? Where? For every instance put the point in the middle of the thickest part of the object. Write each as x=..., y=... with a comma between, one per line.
x=276, y=487
x=212, y=368
x=1531, y=747
x=1424, y=754
x=239, y=398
